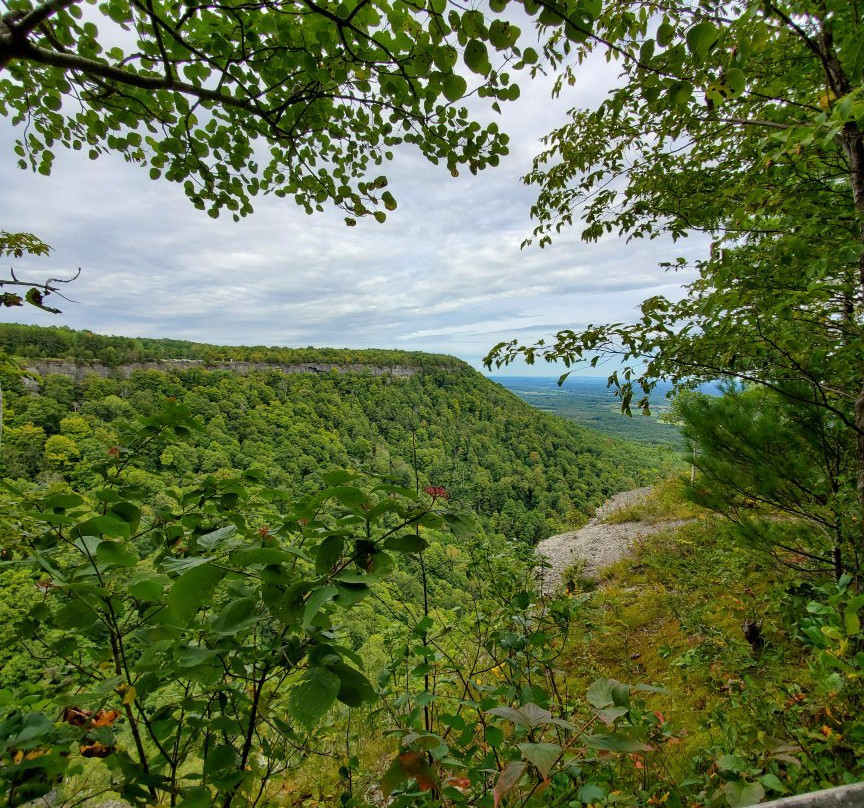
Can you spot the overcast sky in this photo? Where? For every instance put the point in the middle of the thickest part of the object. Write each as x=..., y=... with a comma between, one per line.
x=445, y=273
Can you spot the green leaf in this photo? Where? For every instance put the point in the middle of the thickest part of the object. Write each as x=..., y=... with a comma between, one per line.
x=494, y=736
x=731, y=763
x=266, y=555
x=125, y=512
x=503, y=34
x=454, y=87
x=236, y=616
x=665, y=34
x=209, y=541
x=115, y=554
x=193, y=655
x=542, y=755
x=772, y=781
x=75, y=615
x=103, y=526
x=148, y=587
x=462, y=525
x=701, y=38
x=348, y=496
x=314, y=695
x=195, y=797
x=608, y=692
x=354, y=687
x=192, y=589
x=60, y=502
x=615, y=742
x=852, y=623
x=328, y=553
x=477, y=57
x=316, y=600
x=740, y=793
x=735, y=82
x=220, y=759
x=409, y=543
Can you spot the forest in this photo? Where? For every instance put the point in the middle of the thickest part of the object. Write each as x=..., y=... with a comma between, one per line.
x=313, y=589
x=226, y=589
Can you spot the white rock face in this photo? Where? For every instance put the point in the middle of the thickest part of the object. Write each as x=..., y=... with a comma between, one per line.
x=598, y=544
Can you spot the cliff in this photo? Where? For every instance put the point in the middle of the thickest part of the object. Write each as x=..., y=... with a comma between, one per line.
x=78, y=370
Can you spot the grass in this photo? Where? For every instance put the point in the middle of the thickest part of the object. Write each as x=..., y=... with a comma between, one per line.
x=665, y=503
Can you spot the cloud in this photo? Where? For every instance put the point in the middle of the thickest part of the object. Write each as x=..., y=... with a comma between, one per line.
x=445, y=273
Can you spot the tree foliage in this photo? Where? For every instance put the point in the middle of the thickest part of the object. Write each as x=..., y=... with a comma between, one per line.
x=300, y=98
x=743, y=121
x=526, y=473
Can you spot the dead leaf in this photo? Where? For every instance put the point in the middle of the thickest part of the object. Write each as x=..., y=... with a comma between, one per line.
x=95, y=749
x=105, y=718
x=507, y=779
x=76, y=716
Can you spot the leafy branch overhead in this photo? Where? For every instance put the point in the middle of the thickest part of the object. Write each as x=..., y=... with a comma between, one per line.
x=743, y=122
x=293, y=97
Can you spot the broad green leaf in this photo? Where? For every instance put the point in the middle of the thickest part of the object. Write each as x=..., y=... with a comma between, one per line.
x=477, y=57
x=103, y=526
x=773, y=782
x=235, y=616
x=348, y=496
x=195, y=797
x=606, y=693
x=75, y=615
x=354, y=687
x=61, y=502
x=114, y=553
x=192, y=589
x=194, y=655
x=220, y=758
x=315, y=694
x=408, y=543
x=740, y=793
x=462, y=525
x=503, y=34
x=454, y=87
x=266, y=555
x=148, y=587
x=209, y=541
x=701, y=38
x=735, y=82
x=615, y=742
x=542, y=755
x=316, y=600
x=494, y=736
x=328, y=553
x=125, y=512
x=665, y=34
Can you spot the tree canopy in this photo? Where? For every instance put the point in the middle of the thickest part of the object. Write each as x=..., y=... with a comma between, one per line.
x=743, y=121
x=294, y=97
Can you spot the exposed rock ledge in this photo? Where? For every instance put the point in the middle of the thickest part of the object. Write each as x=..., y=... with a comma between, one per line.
x=598, y=544
x=78, y=371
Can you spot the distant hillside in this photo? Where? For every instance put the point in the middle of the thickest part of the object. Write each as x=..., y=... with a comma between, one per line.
x=86, y=347
x=527, y=474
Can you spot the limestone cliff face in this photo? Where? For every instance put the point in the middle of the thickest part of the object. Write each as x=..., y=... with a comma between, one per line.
x=44, y=367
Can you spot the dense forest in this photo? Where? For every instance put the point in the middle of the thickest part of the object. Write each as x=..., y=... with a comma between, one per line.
x=85, y=346
x=527, y=474
x=253, y=577
x=316, y=589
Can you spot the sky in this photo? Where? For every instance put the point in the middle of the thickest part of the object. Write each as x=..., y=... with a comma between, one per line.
x=445, y=273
